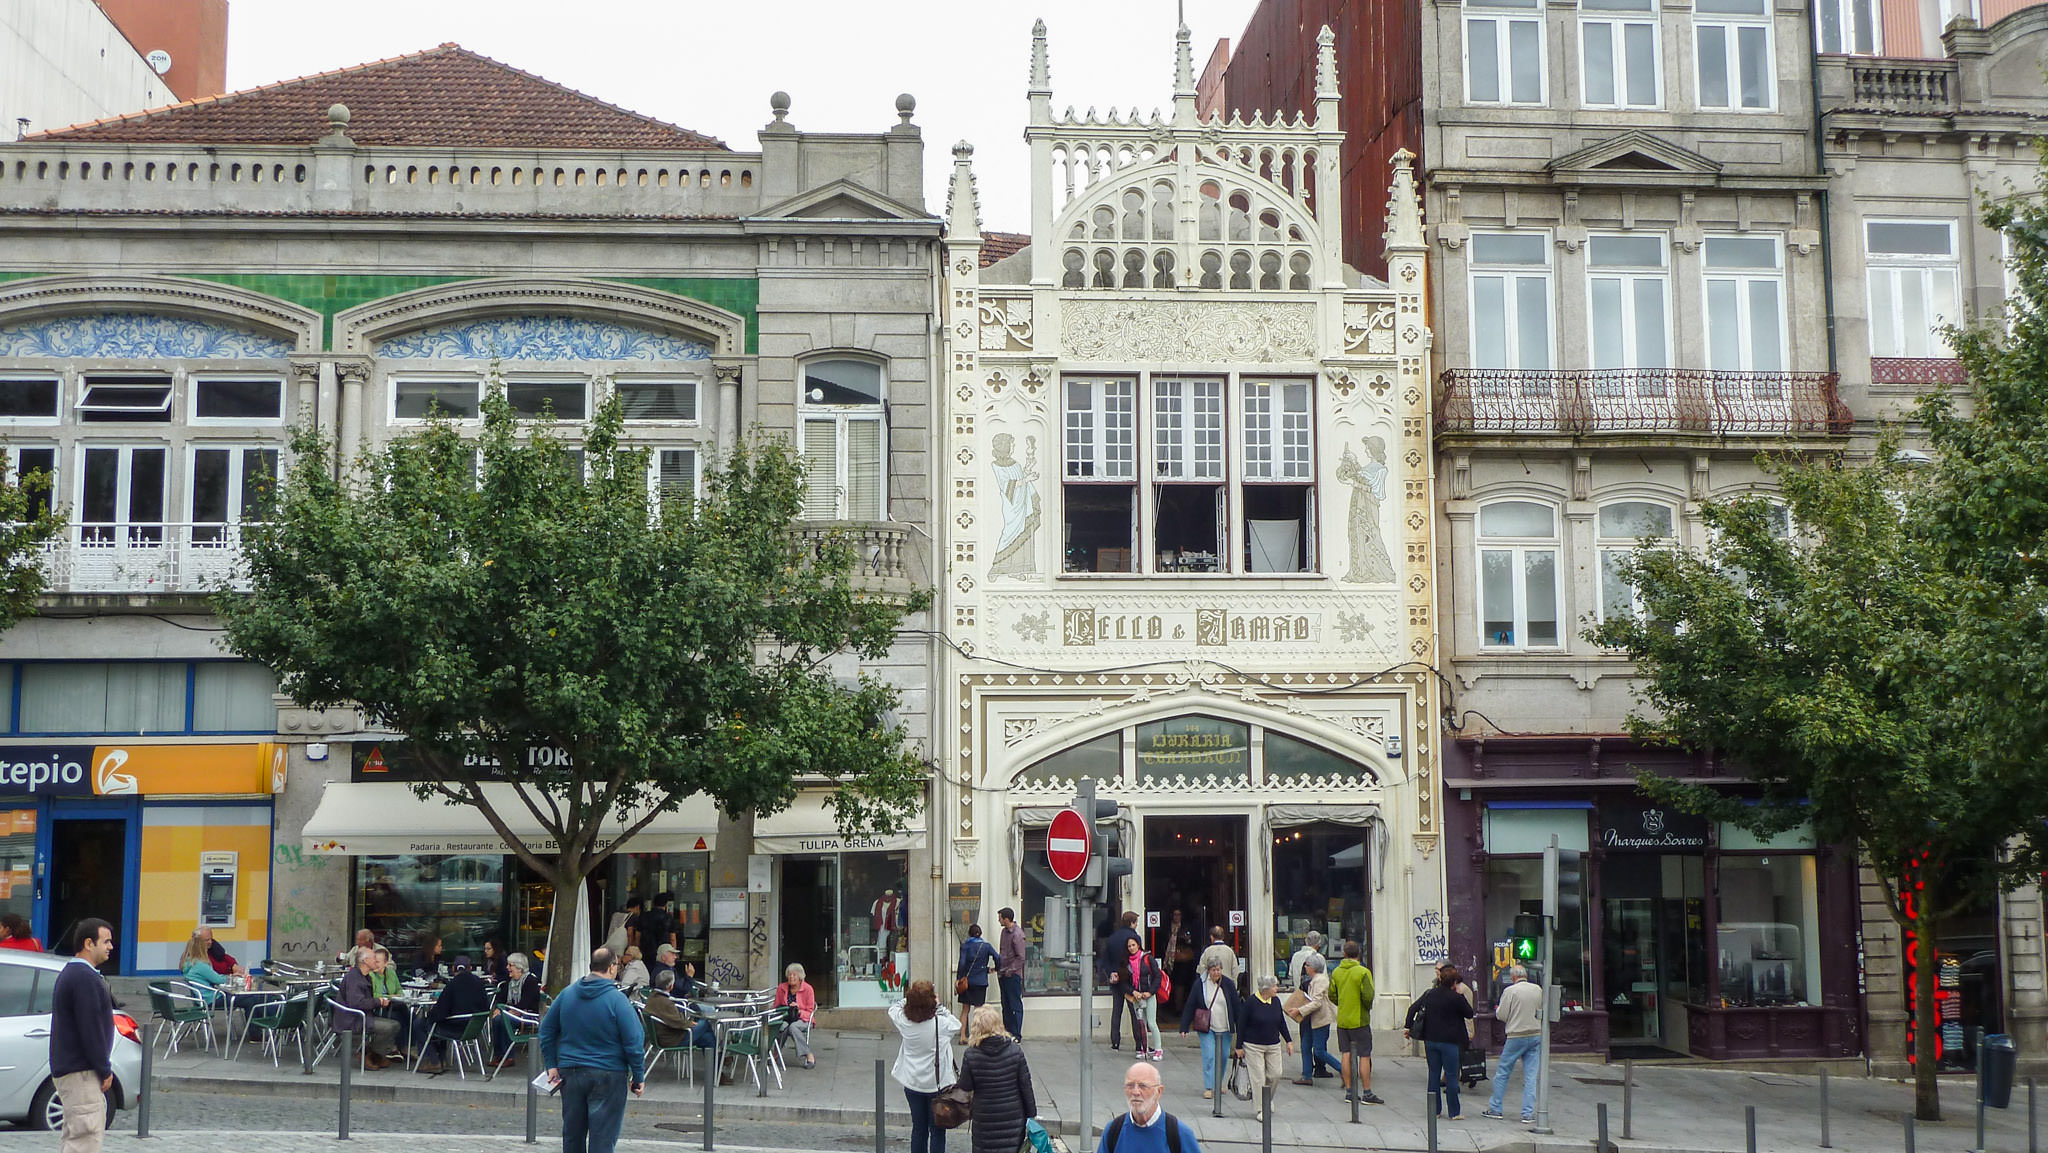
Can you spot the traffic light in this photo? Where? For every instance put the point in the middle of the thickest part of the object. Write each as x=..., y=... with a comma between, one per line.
x=1109, y=862
x=1561, y=885
x=1528, y=939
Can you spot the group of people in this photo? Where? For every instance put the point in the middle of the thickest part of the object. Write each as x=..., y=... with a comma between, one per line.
x=399, y=1029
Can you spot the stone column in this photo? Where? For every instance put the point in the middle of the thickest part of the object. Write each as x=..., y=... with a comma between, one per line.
x=306, y=389
x=354, y=374
x=728, y=375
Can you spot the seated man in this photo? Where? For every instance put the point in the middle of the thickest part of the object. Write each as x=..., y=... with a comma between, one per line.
x=520, y=991
x=664, y=961
x=222, y=961
x=687, y=984
x=364, y=940
x=671, y=1024
x=465, y=996
x=356, y=994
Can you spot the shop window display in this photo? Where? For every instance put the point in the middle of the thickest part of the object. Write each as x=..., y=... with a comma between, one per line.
x=17, y=859
x=1046, y=920
x=1768, y=922
x=404, y=898
x=873, y=954
x=685, y=877
x=1515, y=885
x=1321, y=881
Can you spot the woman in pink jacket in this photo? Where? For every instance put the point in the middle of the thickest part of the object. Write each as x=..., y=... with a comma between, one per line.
x=794, y=990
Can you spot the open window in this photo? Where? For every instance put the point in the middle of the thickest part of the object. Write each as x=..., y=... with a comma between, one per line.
x=1100, y=497
x=1190, y=498
x=123, y=399
x=1279, y=476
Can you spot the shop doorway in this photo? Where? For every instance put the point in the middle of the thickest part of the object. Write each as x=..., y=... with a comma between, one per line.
x=1653, y=949
x=810, y=911
x=1194, y=875
x=89, y=878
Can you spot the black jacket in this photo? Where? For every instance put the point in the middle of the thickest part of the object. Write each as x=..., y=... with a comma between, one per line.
x=1148, y=976
x=1263, y=1022
x=82, y=1024
x=466, y=993
x=1440, y=1015
x=357, y=993
x=1112, y=953
x=523, y=996
x=1198, y=997
x=996, y=1073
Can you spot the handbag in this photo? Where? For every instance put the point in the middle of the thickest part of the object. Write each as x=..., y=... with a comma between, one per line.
x=1036, y=1139
x=952, y=1106
x=960, y=987
x=1240, y=1083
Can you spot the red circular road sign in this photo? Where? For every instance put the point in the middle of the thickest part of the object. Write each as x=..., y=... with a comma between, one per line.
x=1066, y=845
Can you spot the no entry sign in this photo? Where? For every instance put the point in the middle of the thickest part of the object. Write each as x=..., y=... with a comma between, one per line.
x=1066, y=845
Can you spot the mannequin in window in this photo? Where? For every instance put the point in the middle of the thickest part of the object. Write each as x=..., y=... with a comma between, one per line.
x=886, y=915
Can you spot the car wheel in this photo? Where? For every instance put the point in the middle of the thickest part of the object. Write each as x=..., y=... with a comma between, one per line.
x=47, y=1111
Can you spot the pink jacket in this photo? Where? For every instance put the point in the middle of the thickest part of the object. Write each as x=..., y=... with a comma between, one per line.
x=806, y=999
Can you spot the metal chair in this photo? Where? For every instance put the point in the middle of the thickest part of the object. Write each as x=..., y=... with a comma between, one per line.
x=747, y=1038
x=685, y=1053
x=338, y=1013
x=525, y=1030
x=470, y=1032
x=277, y=1018
x=181, y=1011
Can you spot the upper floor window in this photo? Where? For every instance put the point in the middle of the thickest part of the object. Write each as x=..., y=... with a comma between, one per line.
x=1628, y=286
x=461, y=397
x=1510, y=277
x=29, y=398
x=1623, y=527
x=1619, y=68
x=1913, y=285
x=1745, y=281
x=1195, y=493
x=1846, y=26
x=651, y=400
x=1504, y=52
x=241, y=400
x=1734, y=38
x=844, y=440
x=109, y=398
x=24, y=460
x=230, y=485
x=1518, y=587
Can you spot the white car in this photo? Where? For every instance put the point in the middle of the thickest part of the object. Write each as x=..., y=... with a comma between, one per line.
x=28, y=982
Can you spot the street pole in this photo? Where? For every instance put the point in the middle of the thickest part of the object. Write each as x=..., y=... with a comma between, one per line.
x=1086, y=969
x=1551, y=997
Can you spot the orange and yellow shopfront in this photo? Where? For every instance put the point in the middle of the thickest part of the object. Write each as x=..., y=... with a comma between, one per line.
x=158, y=839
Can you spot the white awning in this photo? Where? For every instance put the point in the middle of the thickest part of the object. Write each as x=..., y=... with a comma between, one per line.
x=376, y=818
x=810, y=826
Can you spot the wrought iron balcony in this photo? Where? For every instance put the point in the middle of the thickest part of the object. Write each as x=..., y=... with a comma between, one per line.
x=1944, y=370
x=1639, y=401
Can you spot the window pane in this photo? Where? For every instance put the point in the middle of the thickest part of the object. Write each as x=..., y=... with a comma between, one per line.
x=38, y=460
x=1489, y=322
x=1497, y=596
x=1539, y=570
x=1741, y=252
x=1830, y=25
x=821, y=470
x=1768, y=933
x=1532, y=248
x=462, y=899
x=1641, y=41
x=1914, y=321
x=1482, y=45
x=1634, y=519
x=1120, y=429
x=1208, y=421
x=1515, y=885
x=259, y=483
x=146, y=697
x=1321, y=873
x=658, y=399
x=563, y=399
x=1942, y=307
x=1198, y=748
x=1080, y=428
x=864, y=470
x=98, y=501
x=1625, y=252
x=1649, y=308
x=1863, y=14
x=1532, y=322
x=842, y=382
x=1732, y=7
x=30, y=397
x=1617, y=599
x=210, y=486
x=1753, y=45
x=454, y=400
x=238, y=399
x=1168, y=428
x=1525, y=61
x=1294, y=431
x=1713, y=50
x=1599, y=62
x=233, y=697
x=146, y=486
x=1258, y=430
x=1605, y=323
x=1766, y=353
x=1517, y=518
x=676, y=476
x=1885, y=331
x=1724, y=327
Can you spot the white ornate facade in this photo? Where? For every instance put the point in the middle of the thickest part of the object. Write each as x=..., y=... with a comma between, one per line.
x=1186, y=548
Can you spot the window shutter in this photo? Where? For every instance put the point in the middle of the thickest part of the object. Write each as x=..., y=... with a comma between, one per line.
x=677, y=478
x=864, y=470
x=821, y=469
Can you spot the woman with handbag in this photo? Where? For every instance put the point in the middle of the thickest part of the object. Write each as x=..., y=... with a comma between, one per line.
x=924, y=1063
x=994, y=1070
x=1212, y=1011
x=970, y=983
x=1137, y=981
x=1437, y=1019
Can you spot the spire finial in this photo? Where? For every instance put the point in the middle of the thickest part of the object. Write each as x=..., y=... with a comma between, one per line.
x=1183, y=63
x=1326, y=64
x=1041, y=71
x=963, y=206
x=1404, y=206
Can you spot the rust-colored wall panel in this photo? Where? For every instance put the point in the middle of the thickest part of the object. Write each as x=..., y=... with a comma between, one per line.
x=194, y=32
x=1379, y=75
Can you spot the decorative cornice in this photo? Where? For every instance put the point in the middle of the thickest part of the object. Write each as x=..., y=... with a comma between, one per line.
x=50, y=296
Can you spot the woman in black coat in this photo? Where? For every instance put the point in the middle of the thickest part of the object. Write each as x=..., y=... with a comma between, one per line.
x=994, y=1070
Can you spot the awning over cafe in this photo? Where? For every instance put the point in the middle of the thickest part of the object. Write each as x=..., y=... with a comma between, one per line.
x=381, y=818
x=810, y=826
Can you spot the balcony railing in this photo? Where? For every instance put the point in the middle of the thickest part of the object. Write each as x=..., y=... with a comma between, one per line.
x=1639, y=400
x=886, y=558
x=145, y=558
x=1901, y=87
x=1917, y=370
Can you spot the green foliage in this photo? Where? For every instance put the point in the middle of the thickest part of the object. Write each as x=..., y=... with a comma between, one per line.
x=28, y=521
x=473, y=591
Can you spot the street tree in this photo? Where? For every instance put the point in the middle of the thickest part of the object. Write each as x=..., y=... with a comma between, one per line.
x=528, y=616
x=29, y=521
x=1870, y=650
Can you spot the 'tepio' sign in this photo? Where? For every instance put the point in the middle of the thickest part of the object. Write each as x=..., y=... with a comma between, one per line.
x=1066, y=846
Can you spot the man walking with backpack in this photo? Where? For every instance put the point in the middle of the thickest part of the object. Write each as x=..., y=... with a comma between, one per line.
x=1148, y=1127
x=1351, y=989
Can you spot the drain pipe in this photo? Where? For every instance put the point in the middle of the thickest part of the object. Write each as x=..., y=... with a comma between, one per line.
x=1827, y=247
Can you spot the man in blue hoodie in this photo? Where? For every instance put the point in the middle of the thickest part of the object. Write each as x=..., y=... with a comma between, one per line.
x=593, y=1046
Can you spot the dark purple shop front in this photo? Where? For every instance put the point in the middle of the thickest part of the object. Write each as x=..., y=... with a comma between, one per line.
x=1696, y=938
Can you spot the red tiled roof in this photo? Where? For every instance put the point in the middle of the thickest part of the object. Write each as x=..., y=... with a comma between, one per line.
x=441, y=98
x=1002, y=245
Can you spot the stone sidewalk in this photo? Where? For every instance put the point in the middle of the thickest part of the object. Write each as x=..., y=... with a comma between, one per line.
x=1677, y=1108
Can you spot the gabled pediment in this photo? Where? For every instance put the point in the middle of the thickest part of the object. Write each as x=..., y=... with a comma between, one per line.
x=1634, y=155
x=840, y=200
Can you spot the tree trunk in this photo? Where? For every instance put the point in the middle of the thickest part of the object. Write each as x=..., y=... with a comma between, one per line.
x=568, y=959
x=1927, y=971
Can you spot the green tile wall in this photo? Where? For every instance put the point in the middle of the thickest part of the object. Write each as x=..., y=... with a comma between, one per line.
x=328, y=294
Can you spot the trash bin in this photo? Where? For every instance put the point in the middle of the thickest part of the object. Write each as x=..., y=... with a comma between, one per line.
x=1997, y=1060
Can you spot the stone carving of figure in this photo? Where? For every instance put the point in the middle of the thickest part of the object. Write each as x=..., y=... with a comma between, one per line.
x=1370, y=563
x=1017, y=548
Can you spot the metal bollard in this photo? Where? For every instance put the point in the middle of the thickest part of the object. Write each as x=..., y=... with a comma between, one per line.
x=142, y=1097
x=1749, y=1127
x=1433, y=1098
x=1909, y=1133
x=2033, y=1141
x=1600, y=1142
x=1216, y=1098
x=1628, y=1100
x=711, y=1082
x=532, y=1094
x=348, y=1063
x=881, y=1110
x=1354, y=1093
x=1824, y=1108
x=1266, y=1119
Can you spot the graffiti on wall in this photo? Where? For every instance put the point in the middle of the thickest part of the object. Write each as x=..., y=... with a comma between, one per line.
x=300, y=880
x=1432, y=939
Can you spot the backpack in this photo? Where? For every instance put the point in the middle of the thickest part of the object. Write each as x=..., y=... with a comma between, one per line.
x=1115, y=1129
x=1165, y=981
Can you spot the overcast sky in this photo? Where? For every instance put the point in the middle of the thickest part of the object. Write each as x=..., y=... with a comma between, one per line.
x=711, y=66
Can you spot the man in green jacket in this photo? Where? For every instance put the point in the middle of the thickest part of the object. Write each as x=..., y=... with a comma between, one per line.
x=1351, y=989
